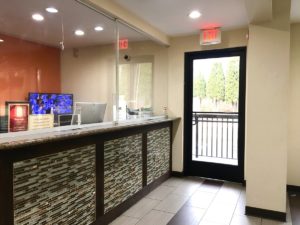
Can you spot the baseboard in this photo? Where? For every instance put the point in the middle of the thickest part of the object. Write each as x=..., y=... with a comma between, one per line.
x=292, y=188
x=264, y=213
x=177, y=174
x=244, y=183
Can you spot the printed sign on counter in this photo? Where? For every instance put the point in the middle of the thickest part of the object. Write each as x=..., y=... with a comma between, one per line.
x=41, y=121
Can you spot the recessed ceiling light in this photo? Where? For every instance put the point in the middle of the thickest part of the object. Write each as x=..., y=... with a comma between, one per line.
x=51, y=10
x=79, y=32
x=1, y=40
x=37, y=17
x=194, y=14
x=98, y=28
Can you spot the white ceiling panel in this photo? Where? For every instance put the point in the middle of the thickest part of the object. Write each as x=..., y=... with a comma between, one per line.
x=15, y=20
x=171, y=16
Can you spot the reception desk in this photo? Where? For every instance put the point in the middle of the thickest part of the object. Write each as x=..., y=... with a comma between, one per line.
x=82, y=174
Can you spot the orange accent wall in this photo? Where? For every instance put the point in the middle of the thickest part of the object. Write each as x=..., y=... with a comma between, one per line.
x=27, y=67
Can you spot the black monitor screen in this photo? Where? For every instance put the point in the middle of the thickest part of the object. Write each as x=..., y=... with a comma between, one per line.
x=46, y=103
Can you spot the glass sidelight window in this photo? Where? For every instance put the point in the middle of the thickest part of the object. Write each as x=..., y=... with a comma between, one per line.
x=136, y=89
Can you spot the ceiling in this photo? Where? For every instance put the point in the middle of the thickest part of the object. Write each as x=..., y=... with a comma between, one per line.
x=16, y=21
x=170, y=16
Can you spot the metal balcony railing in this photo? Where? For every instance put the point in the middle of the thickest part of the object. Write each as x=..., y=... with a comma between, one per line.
x=215, y=135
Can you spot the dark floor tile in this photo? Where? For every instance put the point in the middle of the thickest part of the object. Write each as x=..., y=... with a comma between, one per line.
x=294, y=198
x=187, y=215
x=213, y=182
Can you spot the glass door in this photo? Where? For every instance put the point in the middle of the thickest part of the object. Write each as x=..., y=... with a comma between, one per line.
x=214, y=113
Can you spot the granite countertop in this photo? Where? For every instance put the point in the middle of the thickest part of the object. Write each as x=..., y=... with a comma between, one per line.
x=22, y=139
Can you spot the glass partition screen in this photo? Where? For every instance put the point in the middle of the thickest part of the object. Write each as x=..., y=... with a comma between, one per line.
x=59, y=69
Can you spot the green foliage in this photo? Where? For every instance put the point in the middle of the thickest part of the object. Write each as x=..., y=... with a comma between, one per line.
x=199, y=87
x=216, y=83
x=232, y=82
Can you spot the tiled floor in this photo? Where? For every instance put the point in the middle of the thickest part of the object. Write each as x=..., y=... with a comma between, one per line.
x=294, y=199
x=193, y=201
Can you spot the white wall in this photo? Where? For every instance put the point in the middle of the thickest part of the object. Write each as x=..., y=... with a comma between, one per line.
x=266, y=118
x=294, y=109
x=178, y=47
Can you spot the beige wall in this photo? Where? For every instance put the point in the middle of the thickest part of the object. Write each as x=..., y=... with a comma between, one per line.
x=294, y=109
x=88, y=73
x=91, y=75
x=266, y=118
x=178, y=47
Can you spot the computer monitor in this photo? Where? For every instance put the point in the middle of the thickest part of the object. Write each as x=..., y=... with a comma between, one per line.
x=90, y=112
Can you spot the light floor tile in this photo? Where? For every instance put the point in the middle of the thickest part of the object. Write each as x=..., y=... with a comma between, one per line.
x=173, y=182
x=141, y=208
x=209, y=188
x=172, y=203
x=273, y=222
x=227, y=197
x=193, y=180
x=155, y=217
x=245, y=220
x=219, y=213
x=186, y=189
x=201, y=199
x=220, y=206
x=161, y=192
x=188, y=215
x=205, y=222
x=240, y=208
x=241, y=204
x=124, y=220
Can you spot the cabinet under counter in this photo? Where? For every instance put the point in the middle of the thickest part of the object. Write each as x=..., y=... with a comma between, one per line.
x=83, y=177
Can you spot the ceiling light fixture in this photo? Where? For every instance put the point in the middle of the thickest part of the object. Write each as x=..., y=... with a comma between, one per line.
x=79, y=32
x=37, y=17
x=51, y=10
x=194, y=14
x=98, y=28
x=1, y=40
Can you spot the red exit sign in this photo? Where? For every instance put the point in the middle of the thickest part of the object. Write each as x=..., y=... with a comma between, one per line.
x=210, y=36
x=123, y=43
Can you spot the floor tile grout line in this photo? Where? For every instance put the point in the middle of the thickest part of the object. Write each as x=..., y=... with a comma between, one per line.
x=185, y=204
x=143, y=215
x=164, y=211
x=235, y=207
x=188, y=198
x=153, y=209
x=210, y=203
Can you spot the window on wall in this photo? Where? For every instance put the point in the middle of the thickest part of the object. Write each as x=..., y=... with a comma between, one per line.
x=135, y=89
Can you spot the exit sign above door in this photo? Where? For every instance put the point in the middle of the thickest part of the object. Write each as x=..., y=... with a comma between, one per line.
x=210, y=36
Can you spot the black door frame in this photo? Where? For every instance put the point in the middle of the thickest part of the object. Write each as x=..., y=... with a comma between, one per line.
x=206, y=169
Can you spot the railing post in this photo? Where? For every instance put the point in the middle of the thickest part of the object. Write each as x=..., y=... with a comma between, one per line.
x=196, y=121
x=215, y=138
